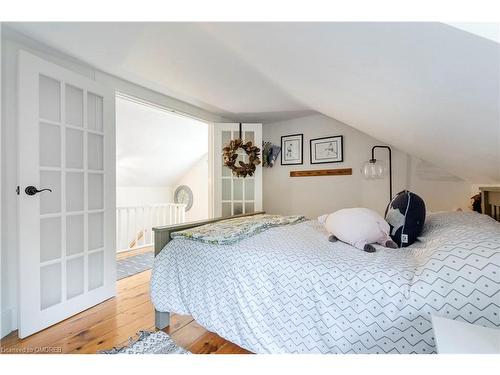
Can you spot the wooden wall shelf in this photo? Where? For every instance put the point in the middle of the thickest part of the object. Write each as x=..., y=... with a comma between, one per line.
x=322, y=172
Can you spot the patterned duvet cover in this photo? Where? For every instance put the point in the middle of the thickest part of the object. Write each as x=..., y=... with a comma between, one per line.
x=289, y=290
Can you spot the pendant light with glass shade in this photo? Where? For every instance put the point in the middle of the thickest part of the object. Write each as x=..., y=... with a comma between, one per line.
x=377, y=169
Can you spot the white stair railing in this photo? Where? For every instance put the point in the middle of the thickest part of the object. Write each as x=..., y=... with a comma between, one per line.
x=134, y=224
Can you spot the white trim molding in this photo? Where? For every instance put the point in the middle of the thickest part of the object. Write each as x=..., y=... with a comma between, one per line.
x=7, y=321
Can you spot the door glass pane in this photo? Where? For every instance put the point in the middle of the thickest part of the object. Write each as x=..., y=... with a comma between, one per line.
x=74, y=106
x=50, y=285
x=94, y=105
x=226, y=137
x=50, y=99
x=226, y=189
x=249, y=207
x=96, y=191
x=226, y=209
x=96, y=270
x=74, y=148
x=95, y=151
x=238, y=189
x=226, y=172
x=50, y=202
x=250, y=136
x=237, y=208
x=96, y=231
x=74, y=191
x=249, y=189
x=50, y=239
x=50, y=145
x=74, y=234
x=74, y=283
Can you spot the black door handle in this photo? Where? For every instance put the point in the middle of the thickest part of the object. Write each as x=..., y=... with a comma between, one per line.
x=31, y=190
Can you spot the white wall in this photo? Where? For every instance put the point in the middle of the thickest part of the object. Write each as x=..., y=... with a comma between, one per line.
x=127, y=196
x=197, y=180
x=12, y=42
x=440, y=190
x=313, y=196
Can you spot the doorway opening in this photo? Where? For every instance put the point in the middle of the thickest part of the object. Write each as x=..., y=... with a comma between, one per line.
x=162, y=176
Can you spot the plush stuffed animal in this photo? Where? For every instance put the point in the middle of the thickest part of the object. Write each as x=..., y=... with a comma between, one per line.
x=405, y=215
x=359, y=227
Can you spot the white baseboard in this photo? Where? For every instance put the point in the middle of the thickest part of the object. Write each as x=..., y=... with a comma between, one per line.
x=7, y=322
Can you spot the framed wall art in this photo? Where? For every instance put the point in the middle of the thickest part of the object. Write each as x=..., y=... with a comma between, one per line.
x=327, y=150
x=292, y=150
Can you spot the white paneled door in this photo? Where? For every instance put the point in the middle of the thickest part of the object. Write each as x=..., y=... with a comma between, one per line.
x=66, y=194
x=236, y=195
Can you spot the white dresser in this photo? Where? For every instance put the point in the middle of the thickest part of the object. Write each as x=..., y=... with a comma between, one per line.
x=455, y=337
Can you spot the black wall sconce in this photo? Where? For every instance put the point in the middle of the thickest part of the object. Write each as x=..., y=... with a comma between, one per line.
x=377, y=169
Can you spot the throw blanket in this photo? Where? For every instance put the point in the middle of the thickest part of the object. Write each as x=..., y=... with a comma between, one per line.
x=234, y=230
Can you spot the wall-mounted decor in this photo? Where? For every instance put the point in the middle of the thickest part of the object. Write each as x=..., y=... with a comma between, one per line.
x=322, y=172
x=183, y=194
x=292, y=150
x=270, y=153
x=240, y=168
x=327, y=150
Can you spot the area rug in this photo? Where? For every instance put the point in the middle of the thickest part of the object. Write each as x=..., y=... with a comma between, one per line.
x=149, y=343
x=130, y=266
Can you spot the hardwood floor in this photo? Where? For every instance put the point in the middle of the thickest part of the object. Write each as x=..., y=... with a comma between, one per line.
x=112, y=322
x=131, y=253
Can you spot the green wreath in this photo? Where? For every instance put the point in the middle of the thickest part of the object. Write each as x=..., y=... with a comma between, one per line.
x=241, y=169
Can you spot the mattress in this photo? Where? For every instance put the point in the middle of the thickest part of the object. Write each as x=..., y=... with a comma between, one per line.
x=290, y=290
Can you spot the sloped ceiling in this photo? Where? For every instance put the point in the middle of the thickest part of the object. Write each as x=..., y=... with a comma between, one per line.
x=429, y=89
x=155, y=147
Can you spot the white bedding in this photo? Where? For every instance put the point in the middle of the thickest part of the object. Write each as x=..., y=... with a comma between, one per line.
x=290, y=290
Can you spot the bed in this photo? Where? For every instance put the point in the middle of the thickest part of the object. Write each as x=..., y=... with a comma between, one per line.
x=289, y=290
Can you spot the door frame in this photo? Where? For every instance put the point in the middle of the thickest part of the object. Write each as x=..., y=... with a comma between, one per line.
x=211, y=173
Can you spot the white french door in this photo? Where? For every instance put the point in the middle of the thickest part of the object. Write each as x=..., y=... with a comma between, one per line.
x=66, y=235
x=236, y=195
